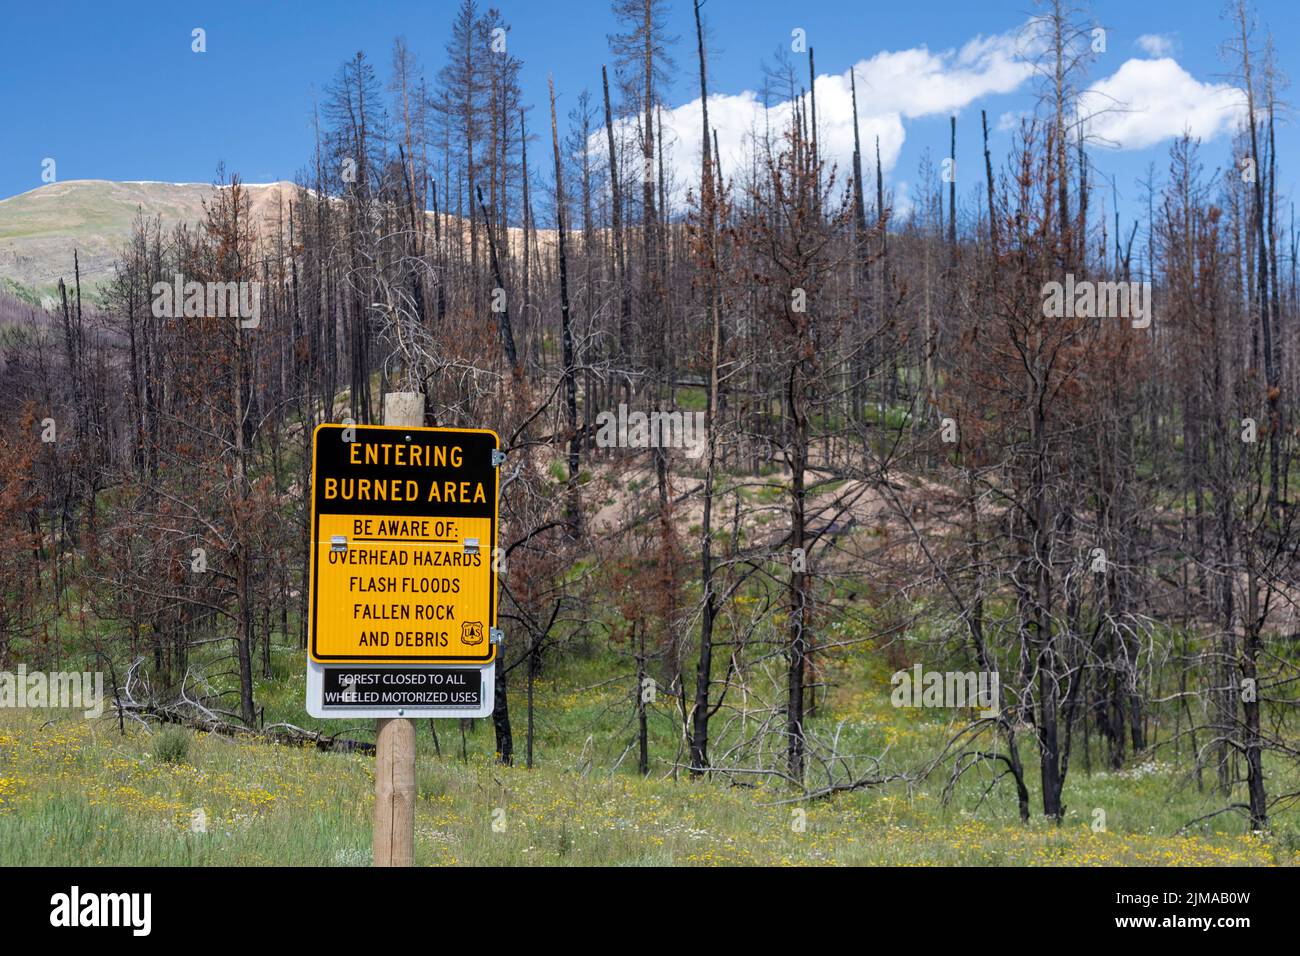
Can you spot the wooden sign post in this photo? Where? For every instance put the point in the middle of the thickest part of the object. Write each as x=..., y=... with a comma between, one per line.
x=394, y=835
x=402, y=620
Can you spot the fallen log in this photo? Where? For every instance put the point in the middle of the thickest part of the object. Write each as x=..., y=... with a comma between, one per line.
x=285, y=734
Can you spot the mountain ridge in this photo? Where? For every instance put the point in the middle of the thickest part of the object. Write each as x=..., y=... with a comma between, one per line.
x=40, y=228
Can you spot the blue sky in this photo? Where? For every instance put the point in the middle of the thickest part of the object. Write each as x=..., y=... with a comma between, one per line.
x=116, y=93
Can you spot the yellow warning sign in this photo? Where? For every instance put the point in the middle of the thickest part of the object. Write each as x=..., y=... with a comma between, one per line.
x=404, y=525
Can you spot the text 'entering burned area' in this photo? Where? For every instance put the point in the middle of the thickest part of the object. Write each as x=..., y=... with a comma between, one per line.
x=405, y=524
x=371, y=467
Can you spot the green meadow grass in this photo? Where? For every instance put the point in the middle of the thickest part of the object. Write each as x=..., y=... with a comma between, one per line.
x=75, y=791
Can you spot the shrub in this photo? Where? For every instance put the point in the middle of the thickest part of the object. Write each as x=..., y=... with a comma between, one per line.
x=172, y=745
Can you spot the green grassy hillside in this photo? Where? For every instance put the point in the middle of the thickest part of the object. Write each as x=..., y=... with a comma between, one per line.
x=39, y=229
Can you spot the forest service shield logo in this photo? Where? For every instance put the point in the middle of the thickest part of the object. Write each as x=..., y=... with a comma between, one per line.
x=471, y=632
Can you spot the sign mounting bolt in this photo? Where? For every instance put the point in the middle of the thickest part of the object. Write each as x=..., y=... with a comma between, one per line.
x=498, y=458
x=495, y=634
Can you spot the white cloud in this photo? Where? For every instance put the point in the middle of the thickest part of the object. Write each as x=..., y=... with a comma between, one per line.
x=1155, y=44
x=1011, y=120
x=892, y=86
x=902, y=206
x=1146, y=101
x=1142, y=103
x=918, y=82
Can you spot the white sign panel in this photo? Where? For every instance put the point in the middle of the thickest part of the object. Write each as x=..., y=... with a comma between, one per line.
x=400, y=690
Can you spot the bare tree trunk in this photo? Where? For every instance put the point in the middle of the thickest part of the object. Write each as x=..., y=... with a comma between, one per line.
x=566, y=330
